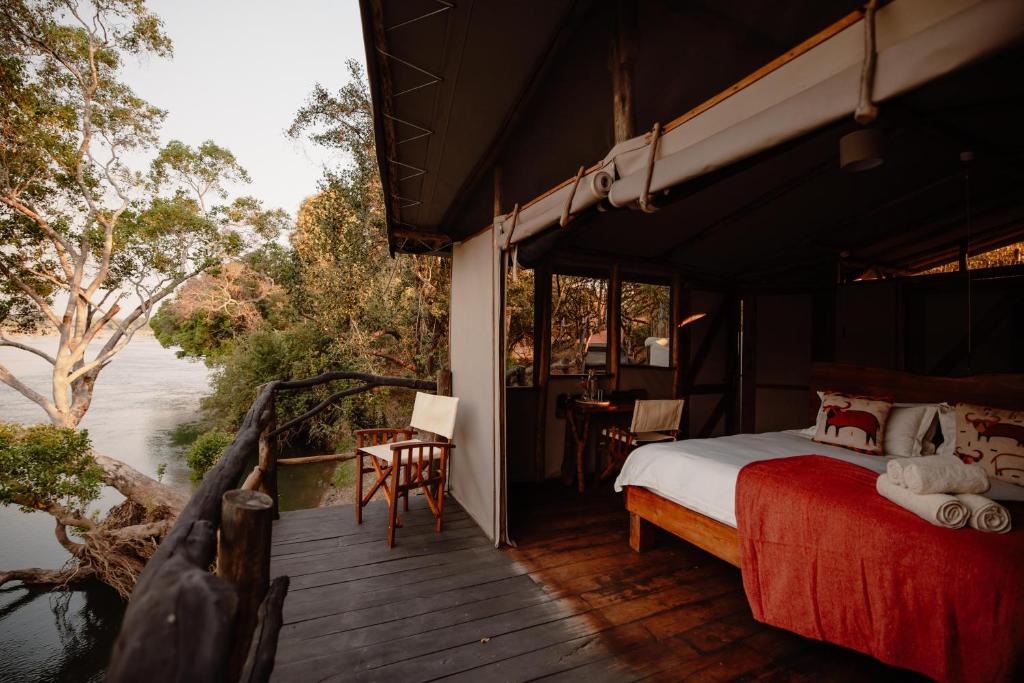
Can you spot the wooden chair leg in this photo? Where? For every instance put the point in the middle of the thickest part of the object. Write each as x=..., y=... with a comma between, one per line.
x=359, y=487
x=408, y=476
x=439, y=497
x=393, y=504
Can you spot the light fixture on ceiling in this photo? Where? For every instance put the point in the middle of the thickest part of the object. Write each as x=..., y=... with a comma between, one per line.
x=861, y=150
x=692, y=318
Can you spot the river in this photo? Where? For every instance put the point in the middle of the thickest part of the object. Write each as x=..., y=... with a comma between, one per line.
x=141, y=400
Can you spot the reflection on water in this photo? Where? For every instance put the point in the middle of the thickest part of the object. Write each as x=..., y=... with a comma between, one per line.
x=140, y=398
x=57, y=636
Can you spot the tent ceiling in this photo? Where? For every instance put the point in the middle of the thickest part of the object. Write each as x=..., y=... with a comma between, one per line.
x=489, y=80
x=789, y=215
x=526, y=86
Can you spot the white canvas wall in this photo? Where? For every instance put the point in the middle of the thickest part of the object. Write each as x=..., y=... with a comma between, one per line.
x=475, y=353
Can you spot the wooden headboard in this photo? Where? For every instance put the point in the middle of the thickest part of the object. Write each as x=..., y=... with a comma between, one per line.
x=998, y=391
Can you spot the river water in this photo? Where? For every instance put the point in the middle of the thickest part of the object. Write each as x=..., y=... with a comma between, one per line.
x=141, y=398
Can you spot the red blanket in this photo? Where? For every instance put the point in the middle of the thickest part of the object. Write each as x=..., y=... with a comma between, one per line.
x=825, y=556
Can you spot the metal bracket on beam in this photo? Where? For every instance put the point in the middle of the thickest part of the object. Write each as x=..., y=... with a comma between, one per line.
x=434, y=78
x=423, y=132
x=445, y=6
x=417, y=171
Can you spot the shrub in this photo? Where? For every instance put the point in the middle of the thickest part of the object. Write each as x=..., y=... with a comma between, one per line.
x=206, y=451
x=45, y=464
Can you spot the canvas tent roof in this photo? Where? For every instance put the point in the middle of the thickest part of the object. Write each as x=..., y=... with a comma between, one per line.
x=757, y=159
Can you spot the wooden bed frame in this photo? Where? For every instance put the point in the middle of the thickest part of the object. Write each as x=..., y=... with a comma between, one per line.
x=648, y=510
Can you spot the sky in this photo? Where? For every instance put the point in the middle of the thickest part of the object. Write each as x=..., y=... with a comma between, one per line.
x=240, y=70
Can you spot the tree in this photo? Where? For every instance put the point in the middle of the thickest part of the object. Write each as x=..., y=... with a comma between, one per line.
x=389, y=315
x=91, y=244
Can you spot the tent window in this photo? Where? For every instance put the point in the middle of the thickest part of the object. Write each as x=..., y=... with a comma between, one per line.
x=519, y=329
x=1010, y=255
x=579, y=315
x=646, y=316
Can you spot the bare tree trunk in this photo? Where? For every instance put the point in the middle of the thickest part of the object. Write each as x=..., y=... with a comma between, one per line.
x=137, y=487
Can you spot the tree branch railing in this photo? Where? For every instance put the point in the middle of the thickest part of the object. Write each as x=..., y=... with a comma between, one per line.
x=186, y=622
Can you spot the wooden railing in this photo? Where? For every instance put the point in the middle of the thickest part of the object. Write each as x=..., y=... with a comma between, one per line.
x=204, y=608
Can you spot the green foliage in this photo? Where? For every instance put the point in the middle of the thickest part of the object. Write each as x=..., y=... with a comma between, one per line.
x=300, y=351
x=206, y=451
x=344, y=475
x=80, y=221
x=42, y=465
x=184, y=434
x=333, y=300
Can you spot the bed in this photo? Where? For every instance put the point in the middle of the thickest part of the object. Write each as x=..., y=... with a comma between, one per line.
x=823, y=555
x=688, y=487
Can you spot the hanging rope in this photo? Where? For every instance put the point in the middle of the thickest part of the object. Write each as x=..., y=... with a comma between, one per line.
x=511, y=230
x=566, y=217
x=867, y=111
x=652, y=154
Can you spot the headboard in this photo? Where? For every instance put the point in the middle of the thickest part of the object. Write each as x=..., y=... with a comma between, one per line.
x=998, y=391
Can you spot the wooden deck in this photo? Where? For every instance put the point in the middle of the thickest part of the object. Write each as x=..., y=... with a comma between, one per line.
x=572, y=602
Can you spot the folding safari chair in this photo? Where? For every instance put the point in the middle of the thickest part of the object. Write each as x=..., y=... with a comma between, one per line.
x=652, y=421
x=403, y=460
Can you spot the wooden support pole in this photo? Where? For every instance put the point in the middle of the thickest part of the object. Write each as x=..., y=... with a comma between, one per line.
x=243, y=558
x=268, y=458
x=680, y=347
x=498, y=175
x=748, y=366
x=541, y=360
x=623, y=54
x=270, y=619
x=308, y=459
x=614, y=346
x=732, y=340
x=444, y=383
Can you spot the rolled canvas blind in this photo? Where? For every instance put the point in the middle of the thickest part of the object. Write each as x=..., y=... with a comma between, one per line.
x=918, y=41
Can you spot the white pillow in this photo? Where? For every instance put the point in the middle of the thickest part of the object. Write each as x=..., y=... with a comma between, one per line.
x=907, y=428
x=947, y=425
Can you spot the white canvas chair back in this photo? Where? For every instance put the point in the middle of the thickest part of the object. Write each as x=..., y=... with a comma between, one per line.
x=656, y=416
x=434, y=414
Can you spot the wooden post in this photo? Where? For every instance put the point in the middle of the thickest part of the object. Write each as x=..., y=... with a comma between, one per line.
x=444, y=383
x=680, y=348
x=541, y=360
x=748, y=368
x=243, y=558
x=732, y=378
x=268, y=458
x=622, y=55
x=614, y=347
x=498, y=191
x=262, y=651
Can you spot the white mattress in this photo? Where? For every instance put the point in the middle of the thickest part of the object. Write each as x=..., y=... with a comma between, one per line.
x=701, y=474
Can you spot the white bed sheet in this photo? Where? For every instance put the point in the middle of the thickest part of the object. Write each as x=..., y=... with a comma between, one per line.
x=701, y=474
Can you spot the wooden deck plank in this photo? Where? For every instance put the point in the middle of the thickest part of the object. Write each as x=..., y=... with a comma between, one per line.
x=571, y=603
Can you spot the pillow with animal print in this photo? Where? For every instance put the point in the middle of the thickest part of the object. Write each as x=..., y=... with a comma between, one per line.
x=992, y=438
x=853, y=422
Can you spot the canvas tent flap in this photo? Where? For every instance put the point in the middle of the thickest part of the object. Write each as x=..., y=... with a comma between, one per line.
x=475, y=354
x=918, y=41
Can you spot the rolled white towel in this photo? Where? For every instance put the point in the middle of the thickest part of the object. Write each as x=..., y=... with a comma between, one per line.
x=937, y=474
x=986, y=515
x=937, y=508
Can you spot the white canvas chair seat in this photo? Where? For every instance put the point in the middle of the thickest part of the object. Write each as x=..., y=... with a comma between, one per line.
x=656, y=416
x=417, y=467
x=653, y=421
x=384, y=452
